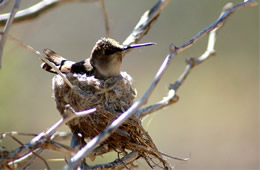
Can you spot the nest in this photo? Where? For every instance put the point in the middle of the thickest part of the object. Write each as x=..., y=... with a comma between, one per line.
x=110, y=97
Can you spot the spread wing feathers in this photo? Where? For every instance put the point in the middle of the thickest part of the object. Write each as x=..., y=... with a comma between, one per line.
x=61, y=63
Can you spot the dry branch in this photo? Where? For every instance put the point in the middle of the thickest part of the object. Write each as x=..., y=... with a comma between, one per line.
x=34, y=11
x=44, y=140
x=7, y=27
x=29, y=48
x=105, y=17
x=140, y=30
x=86, y=150
x=39, y=142
x=172, y=97
x=145, y=23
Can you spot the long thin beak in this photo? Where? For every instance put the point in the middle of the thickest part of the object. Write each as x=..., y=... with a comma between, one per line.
x=138, y=45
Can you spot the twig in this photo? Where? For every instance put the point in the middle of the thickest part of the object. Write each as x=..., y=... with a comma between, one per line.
x=31, y=11
x=42, y=58
x=3, y=3
x=22, y=160
x=150, y=149
x=36, y=9
x=12, y=133
x=6, y=28
x=69, y=115
x=61, y=135
x=86, y=150
x=37, y=156
x=217, y=24
x=105, y=17
x=118, y=163
x=192, y=62
x=38, y=141
x=145, y=22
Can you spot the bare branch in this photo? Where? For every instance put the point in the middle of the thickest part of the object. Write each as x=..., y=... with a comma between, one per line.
x=24, y=159
x=3, y=3
x=36, y=9
x=70, y=114
x=192, y=62
x=145, y=22
x=42, y=58
x=37, y=156
x=7, y=27
x=86, y=150
x=31, y=11
x=217, y=24
x=118, y=163
x=41, y=140
x=105, y=17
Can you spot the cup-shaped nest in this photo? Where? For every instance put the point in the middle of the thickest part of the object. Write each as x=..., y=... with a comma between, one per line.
x=110, y=97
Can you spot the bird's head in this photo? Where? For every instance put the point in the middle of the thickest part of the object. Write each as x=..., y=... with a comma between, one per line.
x=107, y=54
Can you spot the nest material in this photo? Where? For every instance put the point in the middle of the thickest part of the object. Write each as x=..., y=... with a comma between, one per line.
x=110, y=97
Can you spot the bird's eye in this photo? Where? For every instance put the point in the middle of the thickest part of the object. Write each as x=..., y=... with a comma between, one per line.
x=109, y=52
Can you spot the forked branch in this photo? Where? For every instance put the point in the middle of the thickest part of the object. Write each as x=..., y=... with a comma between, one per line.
x=86, y=150
x=32, y=149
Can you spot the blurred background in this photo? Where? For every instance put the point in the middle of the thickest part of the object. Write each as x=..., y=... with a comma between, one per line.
x=216, y=121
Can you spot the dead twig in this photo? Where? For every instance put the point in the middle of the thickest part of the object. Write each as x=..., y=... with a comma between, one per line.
x=212, y=29
x=145, y=22
x=3, y=3
x=42, y=140
x=105, y=17
x=31, y=11
x=86, y=150
x=118, y=163
x=7, y=27
x=42, y=58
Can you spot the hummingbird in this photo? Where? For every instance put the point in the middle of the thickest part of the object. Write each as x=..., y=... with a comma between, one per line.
x=104, y=62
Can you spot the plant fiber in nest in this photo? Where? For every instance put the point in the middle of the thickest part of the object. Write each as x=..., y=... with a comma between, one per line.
x=110, y=97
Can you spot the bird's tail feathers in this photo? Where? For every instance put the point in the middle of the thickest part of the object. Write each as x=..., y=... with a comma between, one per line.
x=61, y=63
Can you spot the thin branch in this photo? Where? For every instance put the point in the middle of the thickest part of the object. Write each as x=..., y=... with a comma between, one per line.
x=145, y=22
x=105, y=17
x=192, y=62
x=3, y=3
x=38, y=141
x=13, y=133
x=118, y=163
x=22, y=160
x=7, y=27
x=150, y=149
x=31, y=11
x=166, y=101
x=61, y=136
x=37, y=156
x=69, y=115
x=59, y=147
x=218, y=23
x=42, y=58
x=36, y=9
x=88, y=148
